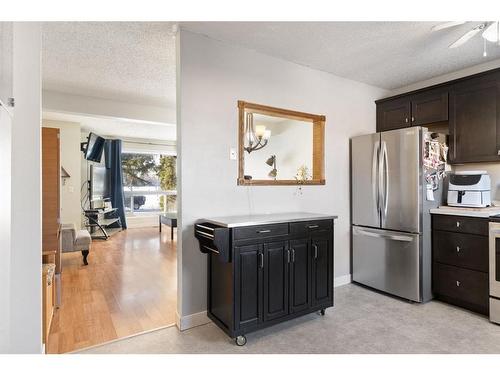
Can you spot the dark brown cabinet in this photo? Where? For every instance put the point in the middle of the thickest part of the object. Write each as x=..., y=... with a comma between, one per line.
x=270, y=274
x=411, y=110
x=248, y=276
x=322, y=272
x=475, y=120
x=393, y=114
x=429, y=107
x=300, y=271
x=276, y=260
x=460, y=261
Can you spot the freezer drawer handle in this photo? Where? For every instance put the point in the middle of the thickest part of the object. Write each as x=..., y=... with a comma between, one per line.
x=395, y=237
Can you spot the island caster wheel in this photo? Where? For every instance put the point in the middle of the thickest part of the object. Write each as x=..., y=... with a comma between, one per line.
x=240, y=340
x=322, y=312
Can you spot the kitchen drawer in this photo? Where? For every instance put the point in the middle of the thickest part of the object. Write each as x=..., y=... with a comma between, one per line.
x=464, y=287
x=460, y=224
x=461, y=250
x=306, y=227
x=260, y=231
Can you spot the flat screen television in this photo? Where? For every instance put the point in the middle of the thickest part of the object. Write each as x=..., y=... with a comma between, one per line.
x=95, y=147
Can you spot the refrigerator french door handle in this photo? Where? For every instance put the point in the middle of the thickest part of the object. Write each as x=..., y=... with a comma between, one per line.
x=375, y=176
x=385, y=169
x=395, y=237
x=381, y=183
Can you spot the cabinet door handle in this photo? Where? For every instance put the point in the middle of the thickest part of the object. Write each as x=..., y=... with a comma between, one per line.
x=288, y=256
x=313, y=226
x=293, y=255
x=315, y=247
x=458, y=283
x=412, y=119
x=406, y=119
x=261, y=260
x=458, y=224
x=264, y=231
x=458, y=249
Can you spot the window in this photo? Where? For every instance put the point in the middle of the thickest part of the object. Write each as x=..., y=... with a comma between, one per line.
x=149, y=183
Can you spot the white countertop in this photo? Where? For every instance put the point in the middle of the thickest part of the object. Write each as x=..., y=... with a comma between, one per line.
x=466, y=211
x=246, y=220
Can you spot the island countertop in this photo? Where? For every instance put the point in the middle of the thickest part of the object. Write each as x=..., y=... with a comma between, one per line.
x=247, y=220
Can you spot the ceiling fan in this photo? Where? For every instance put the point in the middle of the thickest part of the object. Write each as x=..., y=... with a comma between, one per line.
x=490, y=31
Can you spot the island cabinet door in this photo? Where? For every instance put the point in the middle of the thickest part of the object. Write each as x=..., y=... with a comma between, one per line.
x=300, y=275
x=276, y=260
x=322, y=270
x=249, y=266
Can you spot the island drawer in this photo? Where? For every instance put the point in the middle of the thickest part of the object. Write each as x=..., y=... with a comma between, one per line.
x=260, y=231
x=306, y=227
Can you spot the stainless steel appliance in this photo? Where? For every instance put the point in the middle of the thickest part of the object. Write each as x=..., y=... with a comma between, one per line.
x=469, y=189
x=494, y=260
x=391, y=198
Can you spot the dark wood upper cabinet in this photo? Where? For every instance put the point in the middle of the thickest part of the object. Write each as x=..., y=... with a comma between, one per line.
x=475, y=120
x=429, y=107
x=393, y=114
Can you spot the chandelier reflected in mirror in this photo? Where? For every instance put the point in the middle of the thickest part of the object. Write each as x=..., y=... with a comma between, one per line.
x=256, y=137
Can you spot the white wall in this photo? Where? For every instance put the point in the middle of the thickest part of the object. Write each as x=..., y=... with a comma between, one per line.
x=212, y=77
x=5, y=227
x=69, y=139
x=26, y=255
x=105, y=108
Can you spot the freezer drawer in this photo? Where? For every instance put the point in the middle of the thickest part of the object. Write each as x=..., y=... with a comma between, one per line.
x=388, y=261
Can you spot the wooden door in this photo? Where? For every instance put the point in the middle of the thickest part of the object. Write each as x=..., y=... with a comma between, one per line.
x=300, y=275
x=276, y=259
x=51, y=180
x=429, y=107
x=475, y=120
x=249, y=263
x=322, y=270
x=393, y=114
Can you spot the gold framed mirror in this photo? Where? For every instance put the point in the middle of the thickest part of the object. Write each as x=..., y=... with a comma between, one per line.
x=279, y=146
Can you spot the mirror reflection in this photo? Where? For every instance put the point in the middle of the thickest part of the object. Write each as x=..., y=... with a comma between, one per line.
x=277, y=148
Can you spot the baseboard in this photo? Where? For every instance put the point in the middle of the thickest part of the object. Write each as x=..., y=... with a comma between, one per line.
x=193, y=320
x=342, y=280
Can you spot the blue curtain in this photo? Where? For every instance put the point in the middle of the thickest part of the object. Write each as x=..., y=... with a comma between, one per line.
x=113, y=155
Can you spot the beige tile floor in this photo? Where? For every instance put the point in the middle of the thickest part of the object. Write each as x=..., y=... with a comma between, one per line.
x=362, y=321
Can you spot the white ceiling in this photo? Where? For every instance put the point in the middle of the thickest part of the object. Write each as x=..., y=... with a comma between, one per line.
x=135, y=61
x=124, y=61
x=118, y=128
x=389, y=55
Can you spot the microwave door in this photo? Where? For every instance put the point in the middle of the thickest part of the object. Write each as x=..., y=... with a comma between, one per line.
x=365, y=152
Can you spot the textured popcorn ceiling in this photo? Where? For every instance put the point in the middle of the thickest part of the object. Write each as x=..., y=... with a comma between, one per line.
x=125, y=61
x=384, y=54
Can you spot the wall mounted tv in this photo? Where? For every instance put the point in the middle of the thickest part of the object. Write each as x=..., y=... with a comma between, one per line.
x=95, y=147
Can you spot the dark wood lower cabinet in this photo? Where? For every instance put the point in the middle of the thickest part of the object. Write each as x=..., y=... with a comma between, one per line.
x=268, y=278
x=300, y=275
x=276, y=260
x=460, y=261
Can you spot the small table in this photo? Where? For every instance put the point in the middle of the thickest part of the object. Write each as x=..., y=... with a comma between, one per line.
x=169, y=219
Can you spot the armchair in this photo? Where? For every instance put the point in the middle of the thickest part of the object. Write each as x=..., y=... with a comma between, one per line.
x=75, y=240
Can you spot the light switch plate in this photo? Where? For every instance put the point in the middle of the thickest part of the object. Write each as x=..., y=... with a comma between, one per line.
x=232, y=153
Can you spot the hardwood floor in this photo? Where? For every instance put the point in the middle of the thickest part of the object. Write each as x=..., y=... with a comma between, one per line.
x=129, y=286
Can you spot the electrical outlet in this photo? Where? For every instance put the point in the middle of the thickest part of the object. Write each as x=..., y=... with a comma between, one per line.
x=232, y=154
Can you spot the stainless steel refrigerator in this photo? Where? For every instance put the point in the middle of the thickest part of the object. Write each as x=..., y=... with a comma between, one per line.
x=391, y=229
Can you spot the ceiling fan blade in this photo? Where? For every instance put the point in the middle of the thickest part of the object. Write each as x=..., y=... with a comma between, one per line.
x=445, y=25
x=469, y=34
